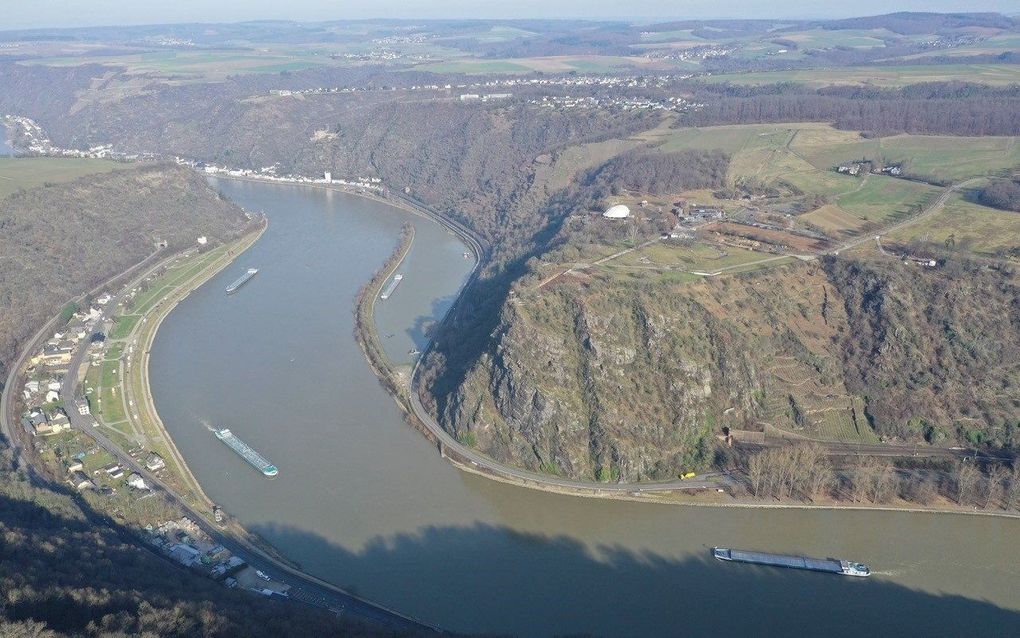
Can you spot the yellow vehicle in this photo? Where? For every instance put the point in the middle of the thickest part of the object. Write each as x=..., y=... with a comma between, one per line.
x=687, y=475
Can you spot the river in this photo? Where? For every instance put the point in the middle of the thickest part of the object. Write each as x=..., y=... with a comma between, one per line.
x=363, y=501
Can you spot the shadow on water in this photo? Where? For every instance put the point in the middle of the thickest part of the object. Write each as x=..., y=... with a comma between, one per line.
x=567, y=588
x=421, y=329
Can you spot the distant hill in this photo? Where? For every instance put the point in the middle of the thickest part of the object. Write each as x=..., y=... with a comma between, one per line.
x=916, y=23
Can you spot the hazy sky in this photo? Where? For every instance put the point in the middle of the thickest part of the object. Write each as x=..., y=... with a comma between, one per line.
x=18, y=14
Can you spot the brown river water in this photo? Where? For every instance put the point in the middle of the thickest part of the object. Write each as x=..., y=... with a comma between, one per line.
x=365, y=502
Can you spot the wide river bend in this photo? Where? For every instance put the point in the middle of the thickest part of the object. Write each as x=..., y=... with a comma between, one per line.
x=364, y=501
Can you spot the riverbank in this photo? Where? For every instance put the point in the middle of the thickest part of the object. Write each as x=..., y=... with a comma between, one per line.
x=365, y=332
x=146, y=334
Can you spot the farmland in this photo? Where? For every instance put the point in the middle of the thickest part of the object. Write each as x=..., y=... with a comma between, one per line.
x=966, y=225
x=882, y=76
x=207, y=64
x=29, y=172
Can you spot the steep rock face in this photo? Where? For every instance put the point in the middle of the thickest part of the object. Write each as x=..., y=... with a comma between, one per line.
x=612, y=380
x=620, y=385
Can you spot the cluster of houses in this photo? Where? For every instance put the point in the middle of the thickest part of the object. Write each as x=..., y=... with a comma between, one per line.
x=80, y=480
x=485, y=88
x=269, y=174
x=691, y=214
x=484, y=97
x=866, y=166
x=33, y=140
x=46, y=410
x=691, y=54
x=184, y=542
x=676, y=104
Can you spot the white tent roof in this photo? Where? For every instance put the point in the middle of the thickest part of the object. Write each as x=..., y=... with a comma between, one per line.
x=617, y=212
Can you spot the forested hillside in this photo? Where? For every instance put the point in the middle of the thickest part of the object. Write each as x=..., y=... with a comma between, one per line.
x=59, y=241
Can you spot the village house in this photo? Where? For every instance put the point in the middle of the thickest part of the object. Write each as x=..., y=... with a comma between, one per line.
x=136, y=481
x=154, y=462
x=114, y=470
x=57, y=353
x=80, y=481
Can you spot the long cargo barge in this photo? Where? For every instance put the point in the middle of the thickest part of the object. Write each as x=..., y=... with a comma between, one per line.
x=393, y=286
x=242, y=280
x=828, y=565
x=243, y=450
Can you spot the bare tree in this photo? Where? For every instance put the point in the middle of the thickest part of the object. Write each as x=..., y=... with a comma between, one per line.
x=880, y=480
x=756, y=466
x=995, y=486
x=965, y=479
x=857, y=481
x=1012, y=496
x=821, y=479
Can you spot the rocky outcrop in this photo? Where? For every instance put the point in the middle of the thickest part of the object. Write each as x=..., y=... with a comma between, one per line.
x=611, y=380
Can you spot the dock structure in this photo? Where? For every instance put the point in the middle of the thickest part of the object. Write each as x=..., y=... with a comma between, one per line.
x=245, y=451
x=391, y=287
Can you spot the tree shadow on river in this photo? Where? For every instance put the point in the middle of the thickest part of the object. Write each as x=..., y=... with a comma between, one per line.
x=420, y=331
x=484, y=578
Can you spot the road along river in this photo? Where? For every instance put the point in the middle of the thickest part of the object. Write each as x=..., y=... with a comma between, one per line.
x=365, y=502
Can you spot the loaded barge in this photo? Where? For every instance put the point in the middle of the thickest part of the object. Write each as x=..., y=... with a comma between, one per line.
x=242, y=280
x=829, y=565
x=393, y=286
x=255, y=459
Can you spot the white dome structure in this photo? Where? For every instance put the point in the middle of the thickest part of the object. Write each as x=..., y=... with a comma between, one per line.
x=617, y=212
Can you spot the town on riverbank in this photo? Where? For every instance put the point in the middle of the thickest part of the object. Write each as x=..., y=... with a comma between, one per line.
x=88, y=413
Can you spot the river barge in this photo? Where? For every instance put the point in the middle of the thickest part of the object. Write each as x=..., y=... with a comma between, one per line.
x=393, y=286
x=242, y=280
x=828, y=565
x=243, y=450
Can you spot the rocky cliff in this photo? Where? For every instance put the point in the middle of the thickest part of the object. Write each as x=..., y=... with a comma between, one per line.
x=603, y=379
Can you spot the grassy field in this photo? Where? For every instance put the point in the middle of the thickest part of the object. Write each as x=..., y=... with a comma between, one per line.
x=124, y=326
x=940, y=156
x=206, y=63
x=884, y=199
x=805, y=154
x=28, y=172
x=829, y=38
x=834, y=220
x=548, y=64
x=978, y=228
x=892, y=76
x=703, y=257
